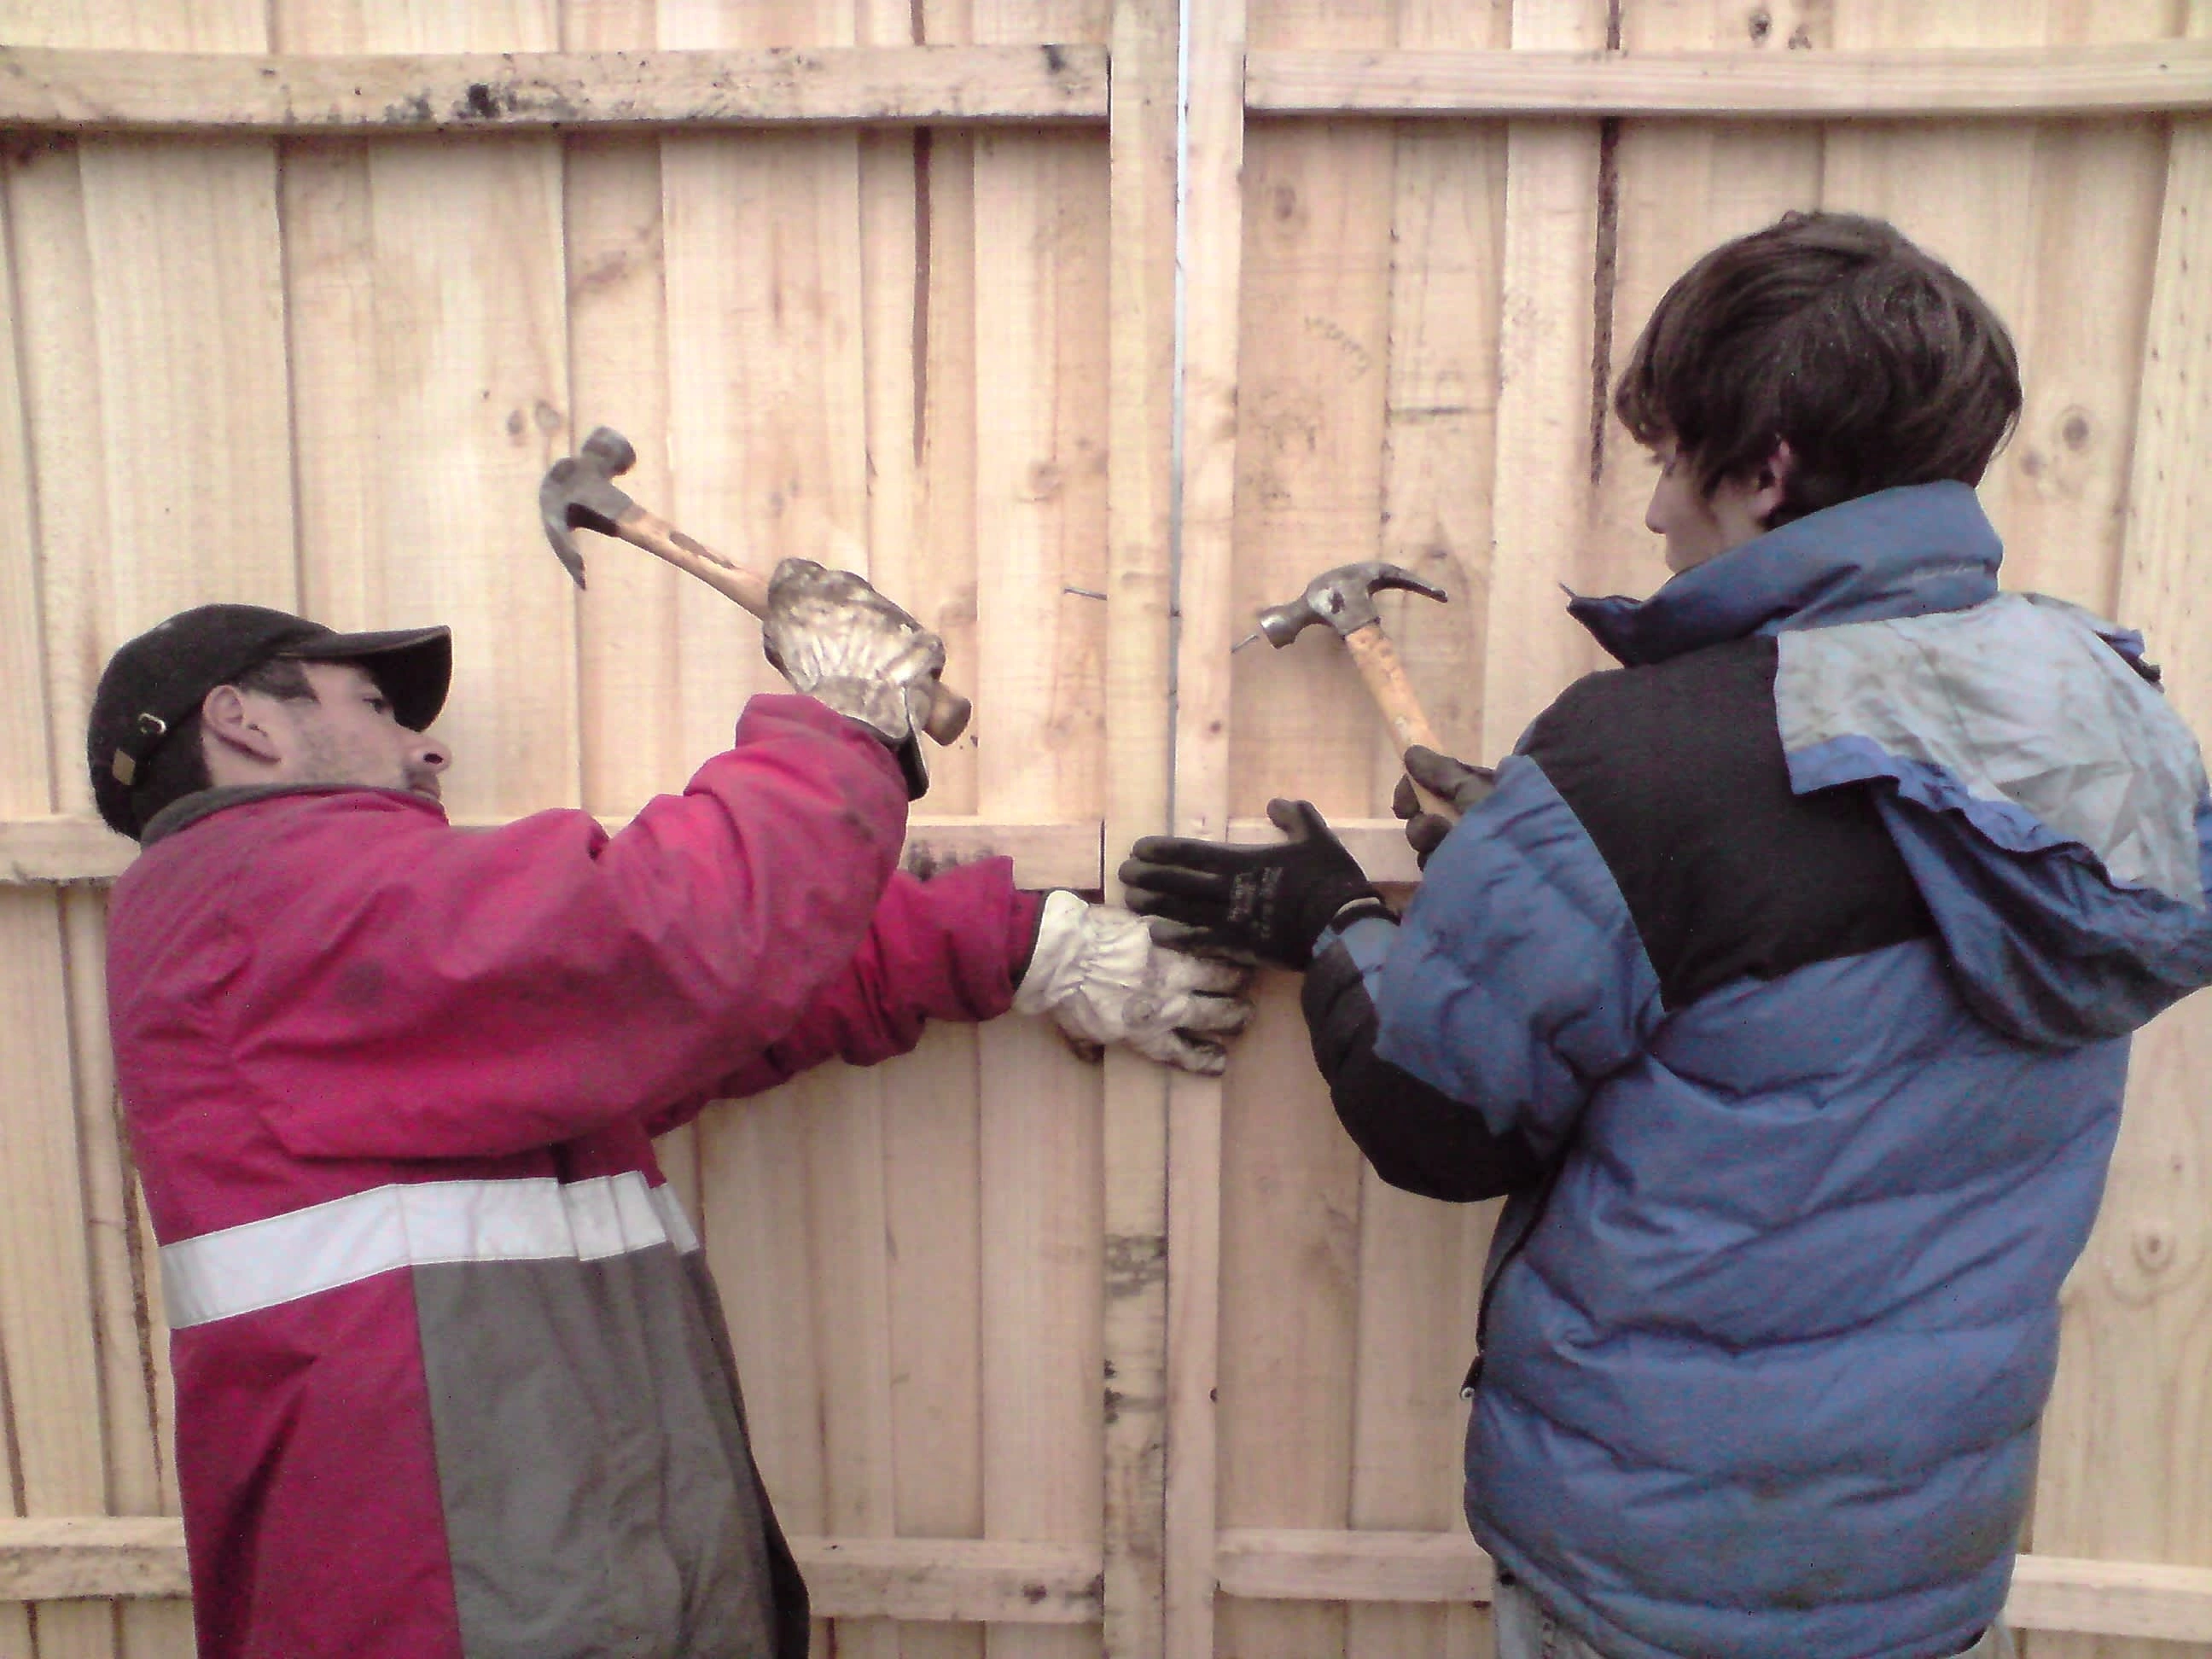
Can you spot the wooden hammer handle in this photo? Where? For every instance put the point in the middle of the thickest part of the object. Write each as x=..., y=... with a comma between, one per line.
x=948, y=713
x=1378, y=661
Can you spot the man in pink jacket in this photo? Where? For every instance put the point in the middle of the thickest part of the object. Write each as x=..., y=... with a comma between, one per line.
x=451, y=1376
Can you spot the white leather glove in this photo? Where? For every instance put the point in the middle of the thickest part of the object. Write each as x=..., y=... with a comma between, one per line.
x=841, y=642
x=1098, y=972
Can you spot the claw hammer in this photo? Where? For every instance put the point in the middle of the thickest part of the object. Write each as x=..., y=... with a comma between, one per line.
x=579, y=494
x=1345, y=598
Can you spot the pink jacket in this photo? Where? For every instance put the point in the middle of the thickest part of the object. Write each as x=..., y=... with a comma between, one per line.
x=451, y=1376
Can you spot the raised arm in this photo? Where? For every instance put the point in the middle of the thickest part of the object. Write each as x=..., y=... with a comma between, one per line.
x=441, y=992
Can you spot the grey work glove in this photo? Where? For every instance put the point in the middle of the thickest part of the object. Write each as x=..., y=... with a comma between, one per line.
x=1465, y=786
x=1098, y=972
x=1267, y=903
x=841, y=642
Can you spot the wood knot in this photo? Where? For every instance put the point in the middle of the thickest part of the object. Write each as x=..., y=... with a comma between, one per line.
x=2074, y=429
x=2153, y=1248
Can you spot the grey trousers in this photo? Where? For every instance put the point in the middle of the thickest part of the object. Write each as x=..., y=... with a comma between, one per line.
x=1526, y=1629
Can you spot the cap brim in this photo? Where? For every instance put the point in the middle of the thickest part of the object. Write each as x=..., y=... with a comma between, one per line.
x=414, y=666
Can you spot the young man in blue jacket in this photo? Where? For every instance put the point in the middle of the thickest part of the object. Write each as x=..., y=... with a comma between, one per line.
x=1783, y=976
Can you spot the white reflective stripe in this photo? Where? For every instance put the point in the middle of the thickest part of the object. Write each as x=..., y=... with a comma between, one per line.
x=672, y=1219
x=264, y=1263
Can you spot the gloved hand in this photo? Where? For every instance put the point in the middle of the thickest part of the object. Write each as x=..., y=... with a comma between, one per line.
x=1269, y=903
x=841, y=642
x=1465, y=786
x=1098, y=972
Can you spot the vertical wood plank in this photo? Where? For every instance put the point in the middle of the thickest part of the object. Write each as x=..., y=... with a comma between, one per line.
x=1140, y=345
x=1683, y=187
x=1312, y=389
x=1547, y=406
x=1212, y=248
x=2127, y=1426
x=769, y=424
x=155, y=384
x=1420, y=1262
x=26, y=785
x=917, y=250
x=933, y=1178
x=1041, y=222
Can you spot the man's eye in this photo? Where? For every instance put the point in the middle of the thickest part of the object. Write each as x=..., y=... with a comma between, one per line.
x=380, y=705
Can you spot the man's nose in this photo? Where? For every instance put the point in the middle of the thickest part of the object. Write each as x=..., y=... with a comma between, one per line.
x=433, y=755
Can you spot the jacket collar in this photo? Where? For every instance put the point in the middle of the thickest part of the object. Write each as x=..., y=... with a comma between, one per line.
x=189, y=809
x=1903, y=552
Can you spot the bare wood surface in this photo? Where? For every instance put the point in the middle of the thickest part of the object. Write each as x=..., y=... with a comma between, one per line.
x=1140, y=484
x=69, y=1558
x=65, y=1557
x=1420, y=1262
x=1542, y=496
x=168, y=92
x=2126, y=1431
x=1211, y=253
x=1041, y=220
x=1797, y=86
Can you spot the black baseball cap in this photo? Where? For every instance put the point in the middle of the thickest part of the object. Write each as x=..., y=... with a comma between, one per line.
x=157, y=681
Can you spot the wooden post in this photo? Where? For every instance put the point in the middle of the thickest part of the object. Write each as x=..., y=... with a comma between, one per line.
x=1140, y=324
x=1212, y=248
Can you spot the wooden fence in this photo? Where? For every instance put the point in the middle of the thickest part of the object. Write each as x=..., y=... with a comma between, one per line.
x=1084, y=326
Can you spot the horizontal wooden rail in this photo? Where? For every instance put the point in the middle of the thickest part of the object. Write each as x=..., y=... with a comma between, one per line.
x=974, y=1580
x=1379, y=844
x=1892, y=85
x=75, y=848
x=2048, y=1592
x=967, y=1580
x=72, y=847
x=102, y=91
x=183, y=92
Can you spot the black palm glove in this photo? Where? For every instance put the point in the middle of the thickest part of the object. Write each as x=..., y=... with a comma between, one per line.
x=1465, y=786
x=1269, y=903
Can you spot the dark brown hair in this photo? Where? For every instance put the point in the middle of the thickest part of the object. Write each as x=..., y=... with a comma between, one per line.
x=1875, y=361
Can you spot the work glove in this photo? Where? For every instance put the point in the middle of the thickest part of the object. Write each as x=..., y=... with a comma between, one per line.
x=841, y=642
x=1465, y=786
x=1097, y=971
x=1261, y=903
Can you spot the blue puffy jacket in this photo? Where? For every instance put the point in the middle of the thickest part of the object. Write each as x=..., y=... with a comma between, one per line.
x=1784, y=983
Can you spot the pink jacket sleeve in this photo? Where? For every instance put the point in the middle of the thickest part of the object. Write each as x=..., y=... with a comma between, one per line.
x=948, y=948
x=407, y=990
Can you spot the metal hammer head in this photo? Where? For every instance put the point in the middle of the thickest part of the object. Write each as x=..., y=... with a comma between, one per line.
x=578, y=493
x=1344, y=597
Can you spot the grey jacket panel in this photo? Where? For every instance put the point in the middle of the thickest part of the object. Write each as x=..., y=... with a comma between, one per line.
x=598, y=1490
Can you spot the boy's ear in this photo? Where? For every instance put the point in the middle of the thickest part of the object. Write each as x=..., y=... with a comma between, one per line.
x=226, y=716
x=1772, y=484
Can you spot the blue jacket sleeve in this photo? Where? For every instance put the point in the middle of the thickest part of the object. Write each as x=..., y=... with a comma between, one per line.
x=1517, y=981
x=1417, y=1138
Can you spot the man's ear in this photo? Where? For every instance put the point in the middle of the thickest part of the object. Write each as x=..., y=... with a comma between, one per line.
x=1771, y=485
x=229, y=719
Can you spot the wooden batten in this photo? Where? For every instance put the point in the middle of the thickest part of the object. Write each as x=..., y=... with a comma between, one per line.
x=1797, y=86
x=164, y=92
